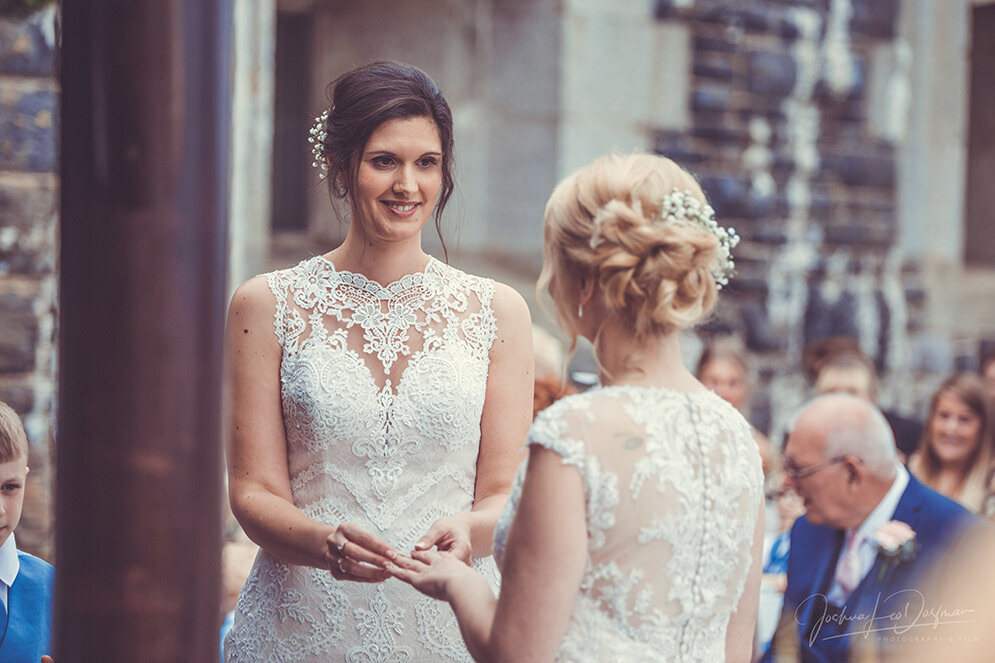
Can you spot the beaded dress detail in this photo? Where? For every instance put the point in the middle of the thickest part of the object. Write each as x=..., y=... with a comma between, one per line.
x=673, y=490
x=382, y=391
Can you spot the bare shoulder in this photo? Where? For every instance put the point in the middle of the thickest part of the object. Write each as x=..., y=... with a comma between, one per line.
x=252, y=308
x=509, y=305
x=252, y=294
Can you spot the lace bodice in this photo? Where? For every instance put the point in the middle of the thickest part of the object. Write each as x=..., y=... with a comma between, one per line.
x=382, y=389
x=672, y=486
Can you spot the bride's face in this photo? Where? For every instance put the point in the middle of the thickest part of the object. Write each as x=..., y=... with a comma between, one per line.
x=398, y=179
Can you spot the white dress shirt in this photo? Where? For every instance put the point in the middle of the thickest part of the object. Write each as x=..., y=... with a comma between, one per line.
x=9, y=566
x=868, y=550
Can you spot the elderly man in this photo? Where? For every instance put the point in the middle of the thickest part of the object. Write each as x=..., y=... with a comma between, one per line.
x=869, y=535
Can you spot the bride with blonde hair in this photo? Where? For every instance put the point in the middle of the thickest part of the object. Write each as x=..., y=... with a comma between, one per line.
x=634, y=530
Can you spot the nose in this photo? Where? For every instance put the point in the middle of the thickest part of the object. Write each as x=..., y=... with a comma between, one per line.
x=405, y=181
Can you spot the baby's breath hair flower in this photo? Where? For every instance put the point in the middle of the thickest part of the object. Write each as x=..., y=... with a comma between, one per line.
x=683, y=206
x=317, y=140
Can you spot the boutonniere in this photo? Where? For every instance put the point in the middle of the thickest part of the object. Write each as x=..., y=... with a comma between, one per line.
x=896, y=543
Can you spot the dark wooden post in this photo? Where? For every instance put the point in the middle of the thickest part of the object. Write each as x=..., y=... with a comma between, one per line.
x=145, y=92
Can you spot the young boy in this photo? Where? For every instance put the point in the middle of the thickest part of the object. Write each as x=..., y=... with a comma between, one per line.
x=26, y=582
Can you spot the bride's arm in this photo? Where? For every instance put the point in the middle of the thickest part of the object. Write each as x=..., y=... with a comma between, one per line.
x=543, y=565
x=258, y=477
x=504, y=423
x=743, y=622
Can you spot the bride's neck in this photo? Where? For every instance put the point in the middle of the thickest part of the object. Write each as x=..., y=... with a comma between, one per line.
x=654, y=361
x=383, y=263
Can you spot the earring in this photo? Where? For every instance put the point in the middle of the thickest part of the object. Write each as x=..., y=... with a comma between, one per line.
x=580, y=310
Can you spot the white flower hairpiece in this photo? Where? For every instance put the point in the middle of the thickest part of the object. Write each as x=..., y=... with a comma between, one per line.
x=317, y=140
x=683, y=206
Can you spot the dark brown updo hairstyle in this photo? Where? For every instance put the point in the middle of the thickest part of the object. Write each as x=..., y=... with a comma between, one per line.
x=365, y=98
x=604, y=222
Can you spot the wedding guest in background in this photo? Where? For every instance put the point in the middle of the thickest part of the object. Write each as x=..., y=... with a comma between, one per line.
x=550, y=366
x=26, y=582
x=851, y=371
x=724, y=371
x=870, y=534
x=955, y=455
x=634, y=531
x=379, y=398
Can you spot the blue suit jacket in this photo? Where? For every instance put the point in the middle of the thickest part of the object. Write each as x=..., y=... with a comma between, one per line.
x=28, y=633
x=886, y=598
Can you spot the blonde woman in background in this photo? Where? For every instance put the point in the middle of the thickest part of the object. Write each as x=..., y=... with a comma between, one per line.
x=634, y=531
x=955, y=454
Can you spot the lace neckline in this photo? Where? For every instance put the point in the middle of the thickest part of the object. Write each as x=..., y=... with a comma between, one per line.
x=375, y=288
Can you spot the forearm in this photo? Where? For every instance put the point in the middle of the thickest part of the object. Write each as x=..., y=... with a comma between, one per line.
x=279, y=528
x=474, y=605
x=482, y=518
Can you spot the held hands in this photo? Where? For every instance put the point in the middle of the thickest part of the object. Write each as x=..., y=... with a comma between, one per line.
x=431, y=573
x=355, y=554
x=449, y=534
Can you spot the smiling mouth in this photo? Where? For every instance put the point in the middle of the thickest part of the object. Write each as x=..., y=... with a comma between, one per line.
x=403, y=208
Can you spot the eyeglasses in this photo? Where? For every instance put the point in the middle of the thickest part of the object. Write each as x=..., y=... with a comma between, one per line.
x=796, y=473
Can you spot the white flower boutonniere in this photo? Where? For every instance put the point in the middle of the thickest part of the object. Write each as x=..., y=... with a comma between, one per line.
x=896, y=543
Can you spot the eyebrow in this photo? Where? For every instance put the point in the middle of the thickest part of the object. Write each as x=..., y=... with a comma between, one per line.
x=394, y=154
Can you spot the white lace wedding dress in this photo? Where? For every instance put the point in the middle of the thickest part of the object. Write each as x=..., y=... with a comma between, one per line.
x=672, y=485
x=382, y=390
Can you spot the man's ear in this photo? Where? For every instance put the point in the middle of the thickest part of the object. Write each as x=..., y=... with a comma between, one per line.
x=854, y=468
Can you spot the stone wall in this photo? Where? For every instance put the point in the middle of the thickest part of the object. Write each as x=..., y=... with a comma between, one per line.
x=793, y=153
x=29, y=108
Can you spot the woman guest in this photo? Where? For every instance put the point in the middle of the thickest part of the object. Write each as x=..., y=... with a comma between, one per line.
x=379, y=399
x=634, y=531
x=955, y=453
x=724, y=371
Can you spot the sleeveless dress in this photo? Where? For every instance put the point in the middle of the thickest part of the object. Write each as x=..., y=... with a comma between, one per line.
x=382, y=389
x=673, y=489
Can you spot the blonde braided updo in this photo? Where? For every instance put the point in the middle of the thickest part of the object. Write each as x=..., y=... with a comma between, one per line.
x=605, y=222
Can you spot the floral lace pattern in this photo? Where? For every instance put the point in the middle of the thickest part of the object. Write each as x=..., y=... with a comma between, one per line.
x=673, y=480
x=382, y=389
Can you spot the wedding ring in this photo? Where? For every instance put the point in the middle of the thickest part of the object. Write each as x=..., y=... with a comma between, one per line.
x=341, y=546
x=340, y=565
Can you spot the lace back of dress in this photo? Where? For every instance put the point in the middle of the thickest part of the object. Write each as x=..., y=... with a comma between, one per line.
x=672, y=486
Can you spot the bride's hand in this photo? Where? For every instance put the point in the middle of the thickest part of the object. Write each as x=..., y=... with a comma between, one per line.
x=355, y=554
x=449, y=534
x=429, y=572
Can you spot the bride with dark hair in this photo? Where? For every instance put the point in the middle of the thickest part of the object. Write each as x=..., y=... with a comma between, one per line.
x=379, y=399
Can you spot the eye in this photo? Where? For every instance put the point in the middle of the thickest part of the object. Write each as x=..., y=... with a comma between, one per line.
x=427, y=162
x=382, y=161
x=11, y=487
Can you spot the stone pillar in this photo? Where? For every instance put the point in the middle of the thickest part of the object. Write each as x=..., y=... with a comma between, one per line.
x=144, y=153
x=28, y=222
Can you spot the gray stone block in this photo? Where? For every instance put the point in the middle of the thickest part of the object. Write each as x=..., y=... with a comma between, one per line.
x=771, y=74
x=19, y=397
x=875, y=18
x=28, y=131
x=25, y=48
x=711, y=98
x=18, y=336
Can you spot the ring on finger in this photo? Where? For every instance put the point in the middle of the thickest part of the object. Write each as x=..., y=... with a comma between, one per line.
x=341, y=547
x=340, y=565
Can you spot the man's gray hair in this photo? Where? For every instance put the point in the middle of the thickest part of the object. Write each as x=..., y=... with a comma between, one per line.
x=865, y=434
